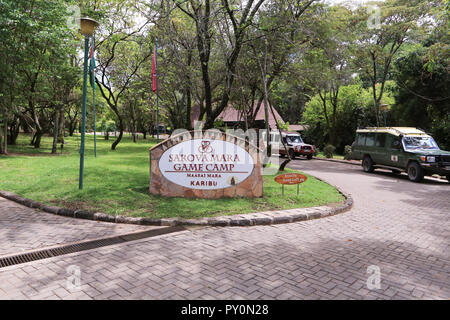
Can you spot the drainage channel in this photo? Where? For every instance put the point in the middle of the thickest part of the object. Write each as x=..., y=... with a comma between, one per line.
x=71, y=248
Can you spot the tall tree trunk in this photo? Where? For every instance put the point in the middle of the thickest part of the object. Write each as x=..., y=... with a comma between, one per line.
x=33, y=138
x=263, y=69
x=285, y=162
x=188, y=109
x=376, y=104
x=188, y=94
x=5, y=135
x=14, y=131
x=204, y=50
x=325, y=112
x=61, y=125
x=37, y=139
x=115, y=143
x=55, y=132
x=266, y=118
x=72, y=127
x=134, y=123
x=1, y=141
x=11, y=137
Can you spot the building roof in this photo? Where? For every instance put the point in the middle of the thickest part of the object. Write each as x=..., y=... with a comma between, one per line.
x=231, y=114
x=297, y=127
x=393, y=130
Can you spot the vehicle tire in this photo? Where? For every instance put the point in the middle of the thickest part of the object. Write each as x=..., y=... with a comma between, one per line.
x=396, y=171
x=368, y=164
x=292, y=154
x=282, y=155
x=309, y=156
x=415, y=172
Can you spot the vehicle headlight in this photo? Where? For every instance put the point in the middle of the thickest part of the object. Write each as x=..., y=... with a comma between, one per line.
x=431, y=159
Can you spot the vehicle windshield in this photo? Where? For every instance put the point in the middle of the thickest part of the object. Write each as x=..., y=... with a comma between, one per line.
x=422, y=142
x=293, y=139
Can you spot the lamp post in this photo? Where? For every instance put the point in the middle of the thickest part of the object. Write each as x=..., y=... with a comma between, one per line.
x=87, y=26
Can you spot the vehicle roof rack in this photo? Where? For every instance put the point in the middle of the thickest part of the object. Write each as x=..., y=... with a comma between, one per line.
x=396, y=130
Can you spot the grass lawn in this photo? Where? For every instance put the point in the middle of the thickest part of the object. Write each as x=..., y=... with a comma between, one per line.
x=117, y=182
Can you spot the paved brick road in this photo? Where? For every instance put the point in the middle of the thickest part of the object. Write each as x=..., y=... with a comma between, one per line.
x=23, y=229
x=397, y=225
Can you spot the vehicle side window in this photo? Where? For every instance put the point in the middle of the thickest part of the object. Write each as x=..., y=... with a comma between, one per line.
x=361, y=140
x=380, y=140
x=396, y=143
x=370, y=140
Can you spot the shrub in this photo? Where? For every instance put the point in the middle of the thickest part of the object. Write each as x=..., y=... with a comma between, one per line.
x=347, y=152
x=328, y=150
x=218, y=124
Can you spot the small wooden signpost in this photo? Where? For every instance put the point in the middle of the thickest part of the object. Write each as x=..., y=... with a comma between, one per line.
x=290, y=179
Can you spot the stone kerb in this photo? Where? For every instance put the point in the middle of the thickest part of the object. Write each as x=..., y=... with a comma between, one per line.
x=251, y=187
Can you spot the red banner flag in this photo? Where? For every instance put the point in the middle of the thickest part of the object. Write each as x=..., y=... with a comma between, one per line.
x=154, y=77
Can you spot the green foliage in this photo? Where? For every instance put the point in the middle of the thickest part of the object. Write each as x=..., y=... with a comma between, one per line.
x=422, y=97
x=38, y=70
x=219, y=124
x=347, y=152
x=283, y=126
x=354, y=109
x=380, y=42
x=328, y=150
x=107, y=126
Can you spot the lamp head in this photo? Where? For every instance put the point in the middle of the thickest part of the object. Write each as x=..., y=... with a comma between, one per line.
x=88, y=26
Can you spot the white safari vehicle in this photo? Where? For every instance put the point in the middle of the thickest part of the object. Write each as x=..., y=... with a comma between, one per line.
x=294, y=144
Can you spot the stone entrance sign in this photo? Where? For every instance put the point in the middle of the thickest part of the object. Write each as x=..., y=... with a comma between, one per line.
x=205, y=165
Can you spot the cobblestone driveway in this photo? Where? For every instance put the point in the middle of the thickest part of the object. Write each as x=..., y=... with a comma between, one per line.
x=24, y=229
x=399, y=226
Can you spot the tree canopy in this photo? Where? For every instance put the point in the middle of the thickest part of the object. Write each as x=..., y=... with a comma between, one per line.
x=329, y=67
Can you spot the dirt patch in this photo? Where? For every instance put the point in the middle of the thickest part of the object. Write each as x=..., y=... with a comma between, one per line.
x=75, y=205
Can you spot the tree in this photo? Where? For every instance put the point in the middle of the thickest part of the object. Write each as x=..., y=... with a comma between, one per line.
x=121, y=53
x=353, y=105
x=234, y=19
x=177, y=36
x=422, y=98
x=399, y=21
x=34, y=34
x=327, y=64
